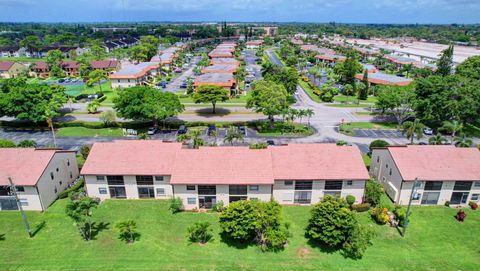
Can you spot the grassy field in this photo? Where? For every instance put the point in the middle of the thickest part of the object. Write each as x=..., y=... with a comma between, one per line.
x=351, y=99
x=82, y=131
x=241, y=99
x=434, y=241
x=22, y=59
x=309, y=91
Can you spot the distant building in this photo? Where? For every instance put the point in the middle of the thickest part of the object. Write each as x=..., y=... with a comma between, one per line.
x=113, y=29
x=220, y=68
x=134, y=75
x=11, y=69
x=380, y=78
x=254, y=44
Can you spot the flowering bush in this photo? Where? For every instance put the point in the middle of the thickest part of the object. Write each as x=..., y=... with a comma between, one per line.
x=473, y=205
x=380, y=215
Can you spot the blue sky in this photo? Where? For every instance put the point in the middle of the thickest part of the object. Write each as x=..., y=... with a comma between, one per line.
x=347, y=11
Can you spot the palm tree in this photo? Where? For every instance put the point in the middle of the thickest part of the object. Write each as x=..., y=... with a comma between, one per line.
x=127, y=230
x=96, y=76
x=412, y=128
x=49, y=114
x=463, y=141
x=309, y=113
x=437, y=140
x=233, y=134
x=93, y=106
x=452, y=127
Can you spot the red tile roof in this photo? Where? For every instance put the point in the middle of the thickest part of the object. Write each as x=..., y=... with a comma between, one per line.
x=226, y=165
x=437, y=163
x=318, y=162
x=24, y=166
x=131, y=157
x=6, y=65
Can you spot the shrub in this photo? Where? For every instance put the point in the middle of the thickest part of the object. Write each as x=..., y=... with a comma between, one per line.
x=379, y=143
x=460, y=216
x=176, y=205
x=258, y=145
x=200, y=232
x=380, y=215
x=350, y=200
x=401, y=213
x=108, y=117
x=127, y=230
x=74, y=188
x=331, y=221
x=218, y=206
x=473, y=205
x=361, y=207
x=358, y=242
x=84, y=151
x=27, y=143
x=373, y=192
x=447, y=203
x=7, y=143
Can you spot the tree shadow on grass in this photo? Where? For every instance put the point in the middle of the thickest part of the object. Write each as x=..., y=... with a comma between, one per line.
x=2, y=237
x=234, y=243
x=98, y=227
x=322, y=247
x=207, y=112
x=38, y=227
x=130, y=239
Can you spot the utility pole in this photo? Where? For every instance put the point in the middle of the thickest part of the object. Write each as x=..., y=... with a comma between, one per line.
x=414, y=192
x=13, y=191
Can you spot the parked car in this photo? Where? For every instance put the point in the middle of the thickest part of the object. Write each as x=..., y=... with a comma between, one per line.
x=182, y=130
x=242, y=129
x=211, y=129
x=152, y=131
x=247, y=85
x=61, y=80
x=271, y=142
x=428, y=131
x=183, y=85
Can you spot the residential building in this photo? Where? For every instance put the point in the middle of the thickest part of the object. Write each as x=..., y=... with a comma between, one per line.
x=220, y=68
x=445, y=173
x=289, y=174
x=42, y=69
x=109, y=66
x=330, y=59
x=225, y=80
x=380, y=78
x=225, y=60
x=38, y=174
x=11, y=51
x=134, y=75
x=11, y=69
x=254, y=44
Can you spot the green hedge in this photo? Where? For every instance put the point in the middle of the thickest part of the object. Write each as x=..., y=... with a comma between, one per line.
x=74, y=188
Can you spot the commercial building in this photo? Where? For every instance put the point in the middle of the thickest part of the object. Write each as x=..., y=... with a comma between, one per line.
x=444, y=173
x=290, y=174
x=38, y=174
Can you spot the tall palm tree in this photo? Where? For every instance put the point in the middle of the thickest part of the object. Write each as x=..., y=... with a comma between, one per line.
x=412, y=128
x=463, y=141
x=309, y=113
x=437, y=140
x=49, y=114
x=233, y=134
x=453, y=127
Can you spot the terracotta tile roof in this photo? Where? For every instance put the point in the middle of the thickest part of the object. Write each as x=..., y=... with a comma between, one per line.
x=437, y=163
x=225, y=60
x=222, y=165
x=329, y=57
x=134, y=71
x=318, y=162
x=131, y=157
x=220, y=79
x=24, y=165
x=6, y=65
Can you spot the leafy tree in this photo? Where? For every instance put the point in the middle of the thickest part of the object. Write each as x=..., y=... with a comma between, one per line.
x=373, y=192
x=145, y=103
x=210, y=94
x=7, y=143
x=97, y=51
x=288, y=77
x=85, y=151
x=463, y=142
x=233, y=134
x=348, y=69
x=95, y=77
x=378, y=143
x=176, y=205
x=93, y=106
x=412, y=128
x=32, y=43
x=398, y=99
x=445, y=62
x=27, y=143
x=108, y=117
x=437, y=139
x=470, y=68
x=54, y=59
x=268, y=98
x=357, y=242
x=200, y=232
x=363, y=93
x=139, y=53
x=331, y=222
x=127, y=230
x=81, y=211
x=452, y=127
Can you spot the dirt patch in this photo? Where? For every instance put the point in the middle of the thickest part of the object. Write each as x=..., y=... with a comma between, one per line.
x=303, y=253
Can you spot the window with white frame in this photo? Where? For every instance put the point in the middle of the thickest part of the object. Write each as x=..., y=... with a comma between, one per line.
x=161, y=191
x=23, y=202
x=191, y=201
x=100, y=178
x=253, y=187
x=191, y=188
x=159, y=178
x=102, y=190
x=476, y=184
x=349, y=183
x=474, y=197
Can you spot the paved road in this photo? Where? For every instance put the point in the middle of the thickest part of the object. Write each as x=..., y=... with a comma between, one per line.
x=174, y=85
x=273, y=58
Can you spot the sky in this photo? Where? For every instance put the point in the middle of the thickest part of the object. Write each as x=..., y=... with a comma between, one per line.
x=343, y=11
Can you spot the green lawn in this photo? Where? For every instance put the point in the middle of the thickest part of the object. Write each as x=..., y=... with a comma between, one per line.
x=22, y=59
x=434, y=241
x=370, y=125
x=309, y=91
x=239, y=99
x=299, y=130
x=351, y=99
x=82, y=131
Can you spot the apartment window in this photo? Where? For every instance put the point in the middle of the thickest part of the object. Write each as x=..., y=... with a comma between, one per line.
x=55, y=190
x=23, y=202
x=146, y=192
x=102, y=190
x=237, y=189
x=115, y=180
x=302, y=197
x=476, y=184
x=68, y=162
x=253, y=187
x=474, y=197
x=418, y=184
x=190, y=187
x=433, y=186
x=417, y=196
x=349, y=183
x=56, y=169
x=159, y=178
x=288, y=183
x=100, y=178
x=51, y=175
x=207, y=190
x=161, y=191
x=144, y=180
x=462, y=186
x=303, y=185
x=191, y=201
x=20, y=189
x=430, y=198
x=386, y=165
x=390, y=172
x=378, y=159
x=71, y=175
x=333, y=185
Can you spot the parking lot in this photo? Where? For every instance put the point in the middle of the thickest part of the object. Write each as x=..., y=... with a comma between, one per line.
x=394, y=135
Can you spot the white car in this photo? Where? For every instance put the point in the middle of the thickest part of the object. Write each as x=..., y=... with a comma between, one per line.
x=428, y=131
x=151, y=131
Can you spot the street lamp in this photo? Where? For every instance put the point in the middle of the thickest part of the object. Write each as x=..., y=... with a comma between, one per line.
x=412, y=196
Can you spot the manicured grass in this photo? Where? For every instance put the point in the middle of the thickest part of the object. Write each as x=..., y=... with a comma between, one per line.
x=370, y=125
x=309, y=91
x=367, y=160
x=434, y=241
x=240, y=99
x=82, y=131
x=353, y=99
x=349, y=105
x=278, y=130
x=80, y=160
x=22, y=59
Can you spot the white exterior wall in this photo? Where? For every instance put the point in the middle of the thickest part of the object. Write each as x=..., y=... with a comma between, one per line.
x=93, y=185
x=30, y=195
x=445, y=193
x=125, y=83
x=285, y=194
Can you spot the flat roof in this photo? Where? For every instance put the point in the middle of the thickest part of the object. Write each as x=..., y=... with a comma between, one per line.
x=220, y=68
x=437, y=163
x=223, y=79
x=385, y=79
